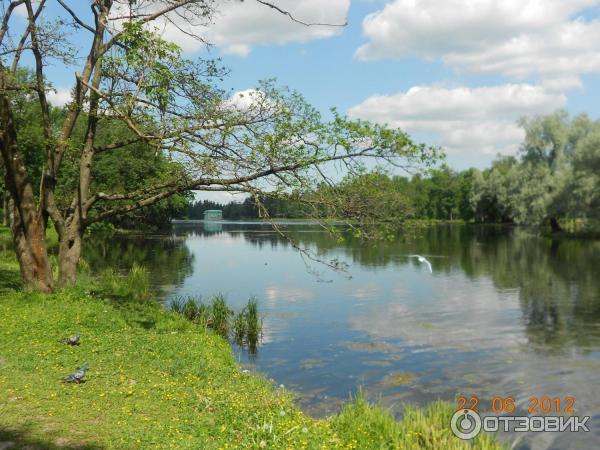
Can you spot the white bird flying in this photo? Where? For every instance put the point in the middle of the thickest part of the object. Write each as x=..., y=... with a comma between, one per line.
x=422, y=260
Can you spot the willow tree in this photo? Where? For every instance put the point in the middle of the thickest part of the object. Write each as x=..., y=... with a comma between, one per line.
x=268, y=141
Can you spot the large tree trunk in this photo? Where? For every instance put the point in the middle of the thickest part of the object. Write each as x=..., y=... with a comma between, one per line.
x=69, y=252
x=27, y=225
x=70, y=237
x=30, y=249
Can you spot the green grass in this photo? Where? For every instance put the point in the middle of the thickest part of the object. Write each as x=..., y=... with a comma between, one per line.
x=157, y=380
x=419, y=429
x=220, y=315
x=244, y=328
x=247, y=327
x=134, y=286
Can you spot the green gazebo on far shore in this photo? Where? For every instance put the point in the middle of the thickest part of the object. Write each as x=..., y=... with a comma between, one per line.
x=213, y=214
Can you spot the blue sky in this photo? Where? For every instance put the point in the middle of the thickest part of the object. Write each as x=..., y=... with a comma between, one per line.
x=474, y=108
x=457, y=73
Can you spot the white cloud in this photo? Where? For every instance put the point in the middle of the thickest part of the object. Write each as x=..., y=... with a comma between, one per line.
x=219, y=197
x=292, y=294
x=242, y=50
x=562, y=84
x=239, y=26
x=430, y=323
x=59, y=96
x=515, y=38
x=463, y=119
x=246, y=99
x=21, y=11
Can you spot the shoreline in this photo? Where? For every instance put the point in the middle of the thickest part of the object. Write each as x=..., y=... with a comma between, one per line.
x=156, y=380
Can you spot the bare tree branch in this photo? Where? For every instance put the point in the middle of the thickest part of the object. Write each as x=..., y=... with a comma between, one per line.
x=76, y=18
x=294, y=19
x=6, y=18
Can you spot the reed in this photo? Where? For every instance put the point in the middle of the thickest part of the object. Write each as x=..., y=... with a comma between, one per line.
x=133, y=286
x=253, y=325
x=137, y=283
x=220, y=315
x=244, y=328
x=239, y=328
x=190, y=309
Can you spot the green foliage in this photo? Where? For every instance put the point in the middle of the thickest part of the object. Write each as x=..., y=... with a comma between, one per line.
x=583, y=186
x=101, y=230
x=375, y=428
x=26, y=114
x=125, y=169
x=369, y=201
x=253, y=319
x=231, y=211
x=190, y=310
x=133, y=286
x=556, y=178
x=220, y=315
x=177, y=305
x=146, y=126
x=443, y=195
x=240, y=328
x=132, y=168
x=247, y=326
x=148, y=57
x=490, y=196
x=365, y=199
x=244, y=327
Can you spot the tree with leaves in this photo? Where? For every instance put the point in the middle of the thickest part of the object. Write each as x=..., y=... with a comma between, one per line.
x=490, y=194
x=128, y=74
x=556, y=176
x=124, y=168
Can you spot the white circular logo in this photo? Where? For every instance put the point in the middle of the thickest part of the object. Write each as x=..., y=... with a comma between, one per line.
x=465, y=424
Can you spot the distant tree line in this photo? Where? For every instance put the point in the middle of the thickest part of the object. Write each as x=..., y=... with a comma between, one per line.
x=231, y=211
x=554, y=176
x=247, y=209
x=444, y=194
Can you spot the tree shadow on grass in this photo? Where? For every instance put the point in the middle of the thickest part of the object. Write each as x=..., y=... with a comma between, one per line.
x=10, y=280
x=14, y=439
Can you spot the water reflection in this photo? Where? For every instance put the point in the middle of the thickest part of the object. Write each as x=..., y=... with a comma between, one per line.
x=167, y=258
x=504, y=312
x=212, y=227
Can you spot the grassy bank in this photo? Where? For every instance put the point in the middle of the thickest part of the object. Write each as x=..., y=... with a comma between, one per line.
x=157, y=380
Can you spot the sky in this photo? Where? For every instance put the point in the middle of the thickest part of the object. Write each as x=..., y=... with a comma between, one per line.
x=457, y=73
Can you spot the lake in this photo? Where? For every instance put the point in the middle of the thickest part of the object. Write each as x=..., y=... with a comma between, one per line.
x=503, y=314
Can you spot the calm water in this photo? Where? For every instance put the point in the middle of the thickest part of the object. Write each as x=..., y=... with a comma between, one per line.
x=504, y=313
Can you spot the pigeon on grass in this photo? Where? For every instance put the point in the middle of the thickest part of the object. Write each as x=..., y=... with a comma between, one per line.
x=72, y=340
x=78, y=376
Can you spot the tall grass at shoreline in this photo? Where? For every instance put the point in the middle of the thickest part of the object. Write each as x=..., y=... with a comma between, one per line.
x=243, y=328
x=133, y=286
